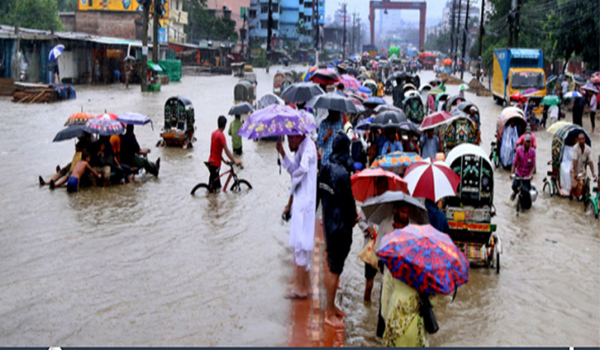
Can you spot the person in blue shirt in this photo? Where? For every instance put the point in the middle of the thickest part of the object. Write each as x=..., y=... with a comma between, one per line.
x=391, y=143
x=327, y=129
x=437, y=218
x=430, y=144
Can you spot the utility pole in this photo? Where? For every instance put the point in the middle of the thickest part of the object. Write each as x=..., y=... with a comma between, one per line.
x=517, y=27
x=480, y=40
x=452, y=30
x=269, y=33
x=464, y=45
x=144, y=67
x=359, y=44
x=155, y=26
x=344, y=39
x=457, y=37
x=353, y=33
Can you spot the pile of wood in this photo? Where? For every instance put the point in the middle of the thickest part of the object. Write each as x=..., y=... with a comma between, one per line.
x=477, y=88
x=450, y=79
x=7, y=87
x=34, y=93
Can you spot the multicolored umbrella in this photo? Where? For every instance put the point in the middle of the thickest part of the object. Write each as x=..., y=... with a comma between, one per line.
x=110, y=116
x=433, y=180
x=425, y=259
x=395, y=159
x=554, y=127
x=434, y=120
x=78, y=118
x=55, y=52
x=325, y=77
x=309, y=73
x=104, y=126
x=551, y=100
x=350, y=82
x=277, y=120
x=572, y=94
x=364, y=183
x=134, y=119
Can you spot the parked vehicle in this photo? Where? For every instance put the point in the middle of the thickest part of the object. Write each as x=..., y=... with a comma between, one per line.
x=517, y=70
x=178, y=129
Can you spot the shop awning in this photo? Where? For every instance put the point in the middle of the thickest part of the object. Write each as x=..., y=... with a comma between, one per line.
x=155, y=67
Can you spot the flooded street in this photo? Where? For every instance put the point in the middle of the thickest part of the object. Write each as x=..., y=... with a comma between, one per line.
x=147, y=264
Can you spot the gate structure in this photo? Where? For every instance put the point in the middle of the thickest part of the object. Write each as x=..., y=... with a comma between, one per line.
x=399, y=5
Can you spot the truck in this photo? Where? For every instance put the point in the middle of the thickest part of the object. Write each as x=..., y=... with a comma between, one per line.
x=516, y=70
x=428, y=60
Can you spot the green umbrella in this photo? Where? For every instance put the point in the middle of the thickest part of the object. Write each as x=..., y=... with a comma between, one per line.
x=551, y=100
x=463, y=87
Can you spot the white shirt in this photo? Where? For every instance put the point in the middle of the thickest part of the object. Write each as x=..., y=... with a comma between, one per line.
x=593, y=103
x=553, y=112
x=304, y=189
x=565, y=86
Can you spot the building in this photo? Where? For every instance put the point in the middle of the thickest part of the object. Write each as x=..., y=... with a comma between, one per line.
x=474, y=12
x=177, y=19
x=292, y=23
x=232, y=5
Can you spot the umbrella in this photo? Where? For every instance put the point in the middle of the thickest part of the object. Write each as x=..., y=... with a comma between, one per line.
x=129, y=58
x=551, y=100
x=572, y=94
x=510, y=112
x=425, y=259
x=364, y=124
x=155, y=67
x=554, y=127
x=241, y=108
x=134, y=119
x=364, y=183
x=333, y=101
x=269, y=99
x=551, y=79
x=70, y=132
x=517, y=96
x=78, y=118
x=365, y=90
x=277, y=121
x=301, y=92
x=395, y=159
x=410, y=127
x=350, y=82
x=55, y=52
x=110, y=116
x=373, y=102
x=595, y=80
x=447, y=61
x=383, y=108
x=435, y=119
x=103, y=126
x=325, y=77
x=463, y=87
x=530, y=91
x=433, y=180
x=590, y=87
x=436, y=91
x=380, y=208
x=387, y=119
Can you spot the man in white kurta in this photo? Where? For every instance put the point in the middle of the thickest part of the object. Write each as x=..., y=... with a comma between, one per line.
x=303, y=196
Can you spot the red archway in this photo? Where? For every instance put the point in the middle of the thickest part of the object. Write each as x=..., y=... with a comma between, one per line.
x=406, y=5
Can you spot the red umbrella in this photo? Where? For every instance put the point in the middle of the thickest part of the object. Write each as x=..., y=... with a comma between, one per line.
x=433, y=180
x=110, y=116
x=517, y=96
x=325, y=77
x=364, y=184
x=435, y=119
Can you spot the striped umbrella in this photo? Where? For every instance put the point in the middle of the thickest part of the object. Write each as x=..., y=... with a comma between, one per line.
x=433, y=180
x=55, y=52
x=572, y=94
x=78, y=118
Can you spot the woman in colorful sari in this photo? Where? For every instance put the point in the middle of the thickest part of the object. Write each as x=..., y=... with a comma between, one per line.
x=404, y=325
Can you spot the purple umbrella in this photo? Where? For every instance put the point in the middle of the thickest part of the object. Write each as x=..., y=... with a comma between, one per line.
x=530, y=91
x=277, y=120
x=134, y=119
x=590, y=87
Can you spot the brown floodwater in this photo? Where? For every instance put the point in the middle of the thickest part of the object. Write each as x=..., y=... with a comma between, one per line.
x=148, y=264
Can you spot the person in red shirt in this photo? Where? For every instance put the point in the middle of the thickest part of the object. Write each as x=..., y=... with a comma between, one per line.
x=217, y=145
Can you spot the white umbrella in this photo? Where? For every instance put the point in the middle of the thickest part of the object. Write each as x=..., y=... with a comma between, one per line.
x=55, y=52
x=433, y=180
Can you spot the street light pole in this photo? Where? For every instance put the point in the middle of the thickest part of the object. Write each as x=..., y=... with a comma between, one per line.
x=452, y=30
x=457, y=37
x=344, y=39
x=464, y=45
x=269, y=32
x=144, y=67
x=480, y=40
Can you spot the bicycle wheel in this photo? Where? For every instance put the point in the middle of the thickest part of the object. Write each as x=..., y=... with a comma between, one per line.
x=201, y=188
x=547, y=188
x=240, y=185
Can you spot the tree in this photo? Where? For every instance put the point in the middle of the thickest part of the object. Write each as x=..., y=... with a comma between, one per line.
x=67, y=5
x=204, y=24
x=34, y=14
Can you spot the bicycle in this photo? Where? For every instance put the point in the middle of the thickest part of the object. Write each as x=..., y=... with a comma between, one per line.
x=237, y=186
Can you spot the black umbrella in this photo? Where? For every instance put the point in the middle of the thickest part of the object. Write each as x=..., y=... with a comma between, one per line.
x=71, y=132
x=301, y=92
x=334, y=102
x=399, y=76
x=410, y=127
x=383, y=108
x=389, y=119
x=241, y=108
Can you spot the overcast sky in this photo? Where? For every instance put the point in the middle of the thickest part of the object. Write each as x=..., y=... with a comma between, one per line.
x=434, y=9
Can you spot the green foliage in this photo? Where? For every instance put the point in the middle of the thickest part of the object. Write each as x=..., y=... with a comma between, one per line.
x=203, y=24
x=260, y=61
x=34, y=14
x=440, y=42
x=67, y=5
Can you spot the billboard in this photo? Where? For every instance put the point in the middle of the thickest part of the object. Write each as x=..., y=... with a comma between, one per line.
x=119, y=5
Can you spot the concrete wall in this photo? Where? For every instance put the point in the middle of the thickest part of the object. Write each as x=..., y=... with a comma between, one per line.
x=68, y=20
x=106, y=23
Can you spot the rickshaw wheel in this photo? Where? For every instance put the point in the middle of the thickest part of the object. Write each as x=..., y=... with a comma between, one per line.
x=497, y=262
x=547, y=188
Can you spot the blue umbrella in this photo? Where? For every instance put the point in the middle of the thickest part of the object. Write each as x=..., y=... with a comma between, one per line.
x=55, y=52
x=134, y=119
x=365, y=124
x=365, y=90
x=374, y=101
x=572, y=94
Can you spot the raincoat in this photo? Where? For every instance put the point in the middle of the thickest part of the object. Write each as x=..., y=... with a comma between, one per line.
x=304, y=189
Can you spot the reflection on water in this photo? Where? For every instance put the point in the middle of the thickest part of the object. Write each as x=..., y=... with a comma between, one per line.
x=148, y=264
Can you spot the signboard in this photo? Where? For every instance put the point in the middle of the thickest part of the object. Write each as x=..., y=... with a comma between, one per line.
x=162, y=35
x=119, y=5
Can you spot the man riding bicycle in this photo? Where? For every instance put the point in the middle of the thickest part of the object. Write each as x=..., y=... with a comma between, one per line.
x=581, y=159
x=217, y=145
x=523, y=166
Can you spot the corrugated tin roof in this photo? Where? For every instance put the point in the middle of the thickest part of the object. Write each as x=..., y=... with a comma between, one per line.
x=29, y=34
